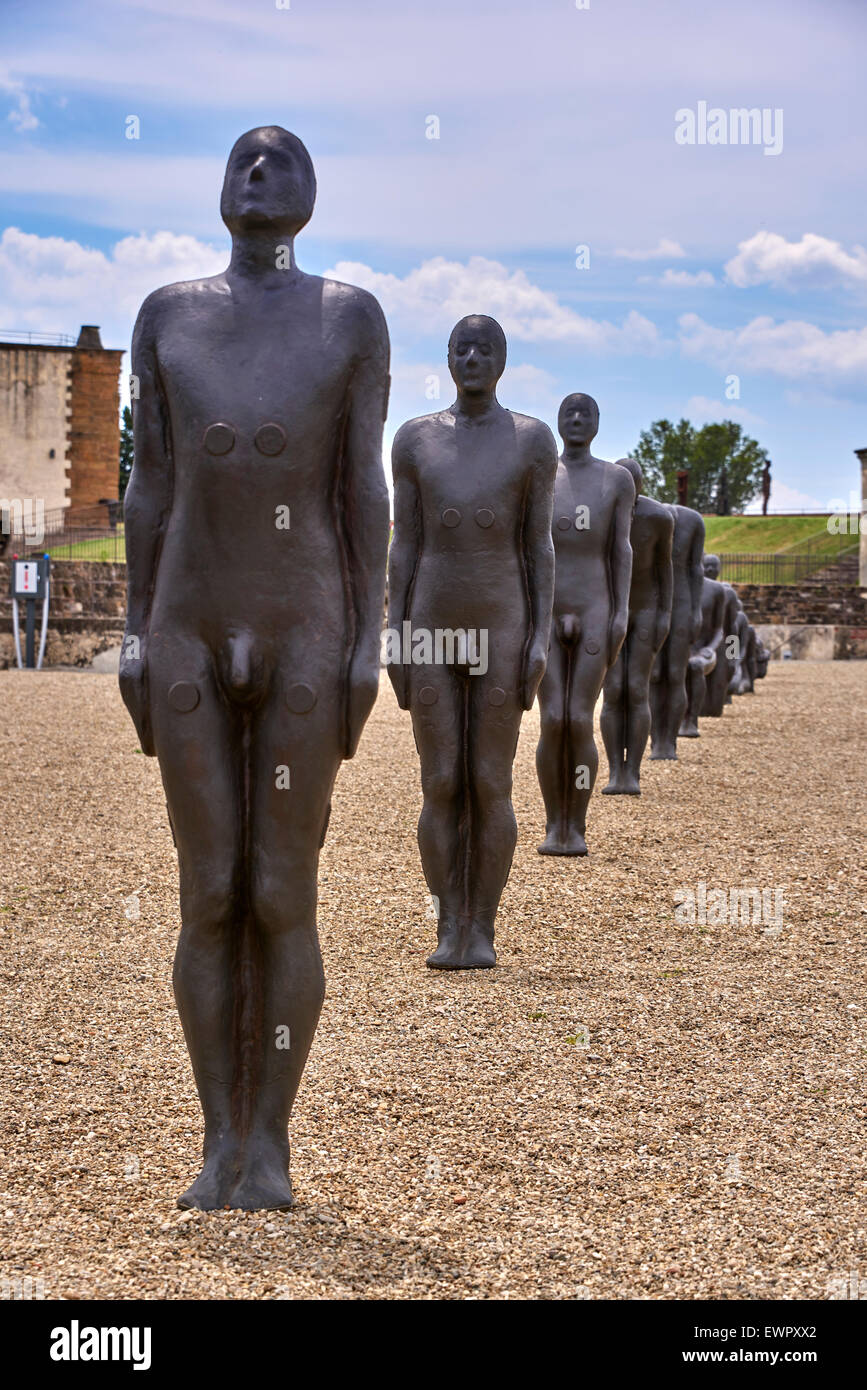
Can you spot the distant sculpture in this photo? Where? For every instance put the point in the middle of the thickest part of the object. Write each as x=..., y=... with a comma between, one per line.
x=741, y=646
x=766, y=487
x=718, y=680
x=682, y=476
x=722, y=496
x=251, y=657
x=763, y=656
x=593, y=502
x=668, y=677
x=471, y=560
x=703, y=657
x=625, y=717
x=749, y=654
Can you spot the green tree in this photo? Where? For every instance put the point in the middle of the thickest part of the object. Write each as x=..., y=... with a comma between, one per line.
x=126, y=454
x=661, y=451
x=725, y=465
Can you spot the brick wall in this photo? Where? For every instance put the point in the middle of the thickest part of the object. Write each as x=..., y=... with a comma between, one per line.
x=94, y=431
x=826, y=604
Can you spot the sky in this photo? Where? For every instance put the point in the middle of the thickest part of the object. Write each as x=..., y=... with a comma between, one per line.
x=542, y=162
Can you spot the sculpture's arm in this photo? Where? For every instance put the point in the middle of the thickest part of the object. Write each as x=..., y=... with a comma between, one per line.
x=620, y=562
x=664, y=583
x=538, y=555
x=403, y=556
x=364, y=514
x=719, y=619
x=696, y=576
x=146, y=508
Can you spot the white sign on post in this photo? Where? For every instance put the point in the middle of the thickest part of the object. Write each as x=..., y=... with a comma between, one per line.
x=26, y=576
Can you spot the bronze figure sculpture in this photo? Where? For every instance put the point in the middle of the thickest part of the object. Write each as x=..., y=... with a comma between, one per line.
x=625, y=719
x=668, y=678
x=256, y=534
x=593, y=502
x=470, y=583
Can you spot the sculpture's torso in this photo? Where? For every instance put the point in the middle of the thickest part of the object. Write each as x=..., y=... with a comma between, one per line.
x=650, y=524
x=256, y=394
x=582, y=582
x=472, y=481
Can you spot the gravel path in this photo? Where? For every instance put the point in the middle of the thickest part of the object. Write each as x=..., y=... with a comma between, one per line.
x=630, y=1106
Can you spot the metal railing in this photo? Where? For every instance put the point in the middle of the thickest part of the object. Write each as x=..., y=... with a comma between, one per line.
x=795, y=566
x=20, y=335
x=67, y=533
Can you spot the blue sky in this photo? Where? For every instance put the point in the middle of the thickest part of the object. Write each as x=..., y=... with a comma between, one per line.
x=556, y=130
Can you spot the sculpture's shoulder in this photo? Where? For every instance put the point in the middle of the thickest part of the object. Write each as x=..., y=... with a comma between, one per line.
x=618, y=479
x=182, y=298
x=421, y=430
x=538, y=439
x=355, y=311
x=687, y=520
x=657, y=513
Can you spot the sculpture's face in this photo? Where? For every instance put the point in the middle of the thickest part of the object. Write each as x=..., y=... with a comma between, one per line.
x=269, y=183
x=477, y=354
x=712, y=566
x=578, y=420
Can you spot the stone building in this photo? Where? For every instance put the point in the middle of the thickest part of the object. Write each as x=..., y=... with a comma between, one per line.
x=59, y=430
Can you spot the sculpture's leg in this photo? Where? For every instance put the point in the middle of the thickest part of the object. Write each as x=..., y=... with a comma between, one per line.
x=553, y=753
x=495, y=721
x=670, y=695
x=613, y=721
x=197, y=749
x=639, y=663
x=696, y=690
x=584, y=688
x=439, y=704
x=294, y=761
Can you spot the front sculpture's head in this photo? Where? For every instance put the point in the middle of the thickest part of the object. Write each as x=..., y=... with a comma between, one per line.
x=578, y=419
x=712, y=566
x=477, y=354
x=269, y=183
x=634, y=468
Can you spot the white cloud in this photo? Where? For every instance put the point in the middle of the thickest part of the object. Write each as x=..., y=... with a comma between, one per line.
x=685, y=279
x=21, y=116
x=705, y=410
x=768, y=259
x=665, y=250
x=433, y=296
x=50, y=284
x=791, y=348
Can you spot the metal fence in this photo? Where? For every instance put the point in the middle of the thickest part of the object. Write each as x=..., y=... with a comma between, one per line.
x=67, y=533
x=795, y=566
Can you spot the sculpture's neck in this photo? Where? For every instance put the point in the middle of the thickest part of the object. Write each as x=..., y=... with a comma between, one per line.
x=476, y=407
x=266, y=255
x=577, y=455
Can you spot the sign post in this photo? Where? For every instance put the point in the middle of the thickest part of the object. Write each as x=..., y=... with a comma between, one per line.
x=30, y=584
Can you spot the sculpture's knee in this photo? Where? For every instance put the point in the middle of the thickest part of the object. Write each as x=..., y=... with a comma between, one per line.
x=440, y=786
x=283, y=901
x=210, y=903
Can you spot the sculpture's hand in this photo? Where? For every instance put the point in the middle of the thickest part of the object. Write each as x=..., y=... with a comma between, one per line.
x=616, y=636
x=361, y=697
x=398, y=674
x=534, y=670
x=132, y=677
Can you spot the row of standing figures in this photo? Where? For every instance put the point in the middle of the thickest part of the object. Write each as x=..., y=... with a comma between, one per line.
x=256, y=528
x=582, y=585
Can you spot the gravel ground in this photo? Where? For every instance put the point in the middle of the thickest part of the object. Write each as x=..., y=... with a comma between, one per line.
x=628, y=1107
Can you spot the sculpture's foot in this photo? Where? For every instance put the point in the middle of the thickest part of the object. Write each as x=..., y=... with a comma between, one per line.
x=664, y=752
x=213, y=1187
x=464, y=946
x=629, y=785
x=611, y=788
x=264, y=1184
x=447, y=955
x=572, y=844
x=689, y=731
x=479, y=953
